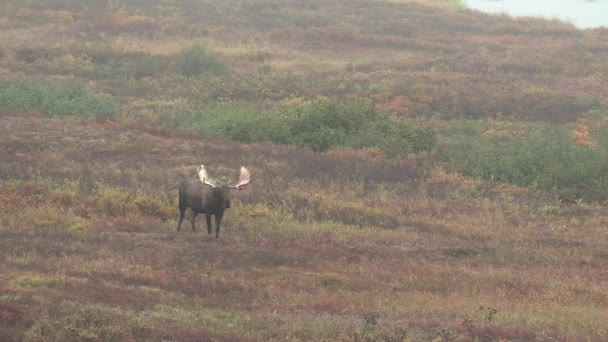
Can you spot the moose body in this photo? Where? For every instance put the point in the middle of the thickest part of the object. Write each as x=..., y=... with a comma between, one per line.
x=207, y=196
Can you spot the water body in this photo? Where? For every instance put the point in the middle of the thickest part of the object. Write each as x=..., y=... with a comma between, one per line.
x=582, y=13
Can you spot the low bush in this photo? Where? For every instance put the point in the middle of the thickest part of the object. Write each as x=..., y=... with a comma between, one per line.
x=79, y=322
x=244, y=124
x=548, y=158
x=328, y=123
x=320, y=125
x=33, y=54
x=66, y=99
x=321, y=208
x=118, y=203
x=107, y=61
x=196, y=61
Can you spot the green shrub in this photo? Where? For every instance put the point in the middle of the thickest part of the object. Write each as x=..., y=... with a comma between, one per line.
x=67, y=99
x=320, y=125
x=394, y=138
x=196, y=60
x=70, y=99
x=23, y=95
x=329, y=123
x=244, y=124
x=145, y=65
x=548, y=158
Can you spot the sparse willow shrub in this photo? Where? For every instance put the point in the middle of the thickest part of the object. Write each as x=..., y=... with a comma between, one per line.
x=244, y=124
x=256, y=210
x=79, y=322
x=113, y=202
x=330, y=123
x=548, y=158
x=475, y=329
x=10, y=313
x=353, y=168
x=197, y=60
x=372, y=330
x=140, y=25
x=21, y=94
x=10, y=199
x=63, y=198
x=102, y=53
x=66, y=99
x=321, y=208
x=370, y=154
x=35, y=194
x=320, y=125
x=108, y=62
x=71, y=99
x=394, y=138
x=39, y=280
x=33, y=54
x=145, y=65
x=46, y=217
x=153, y=206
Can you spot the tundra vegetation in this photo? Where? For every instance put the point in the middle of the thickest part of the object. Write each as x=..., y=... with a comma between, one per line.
x=429, y=172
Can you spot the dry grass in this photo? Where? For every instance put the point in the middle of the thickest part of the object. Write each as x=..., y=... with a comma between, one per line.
x=476, y=66
x=346, y=245
x=89, y=247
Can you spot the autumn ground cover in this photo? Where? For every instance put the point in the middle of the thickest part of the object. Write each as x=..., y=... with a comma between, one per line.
x=183, y=63
x=480, y=217
x=414, y=60
x=322, y=246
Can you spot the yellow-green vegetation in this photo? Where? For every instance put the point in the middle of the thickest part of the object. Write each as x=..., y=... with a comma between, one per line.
x=260, y=71
x=422, y=172
x=321, y=246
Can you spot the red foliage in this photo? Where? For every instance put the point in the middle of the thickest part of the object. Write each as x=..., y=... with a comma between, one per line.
x=366, y=154
x=399, y=105
x=9, y=312
x=581, y=135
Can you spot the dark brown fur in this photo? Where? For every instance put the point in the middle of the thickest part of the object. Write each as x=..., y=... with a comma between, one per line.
x=202, y=199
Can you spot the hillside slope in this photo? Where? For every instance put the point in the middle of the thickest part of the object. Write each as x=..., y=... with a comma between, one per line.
x=106, y=106
x=335, y=246
x=411, y=59
x=521, y=101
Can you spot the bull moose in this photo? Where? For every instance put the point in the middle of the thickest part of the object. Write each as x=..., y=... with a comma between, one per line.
x=209, y=196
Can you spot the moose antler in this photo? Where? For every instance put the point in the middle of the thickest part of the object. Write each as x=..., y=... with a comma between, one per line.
x=204, y=177
x=244, y=179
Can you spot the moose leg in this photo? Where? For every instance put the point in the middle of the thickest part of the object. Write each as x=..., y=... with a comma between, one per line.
x=208, y=219
x=218, y=219
x=182, y=211
x=194, y=213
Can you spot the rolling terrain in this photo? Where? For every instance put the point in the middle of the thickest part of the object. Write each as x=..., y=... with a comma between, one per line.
x=321, y=246
x=442, y=230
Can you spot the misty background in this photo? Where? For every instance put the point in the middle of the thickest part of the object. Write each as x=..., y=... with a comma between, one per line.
x=582, y=13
